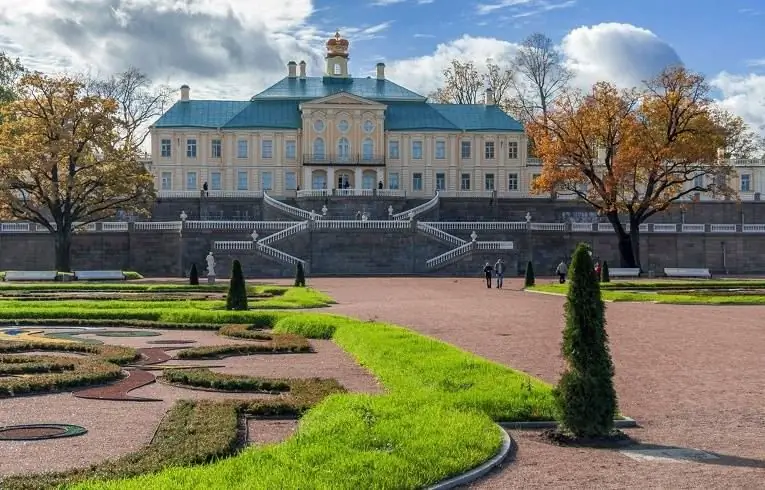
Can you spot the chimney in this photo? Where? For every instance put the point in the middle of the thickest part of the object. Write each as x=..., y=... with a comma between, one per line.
x=291, y=69
x=185, y=93
x=302, y=69
x=381, y=71
x=489, y=97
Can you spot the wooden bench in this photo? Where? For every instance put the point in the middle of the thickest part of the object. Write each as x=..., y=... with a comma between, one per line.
x=99, y=275
x=624, y=272
x=31, y=275
x=687, y=272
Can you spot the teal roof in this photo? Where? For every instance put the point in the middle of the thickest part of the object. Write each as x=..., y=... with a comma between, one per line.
x=200, y=113
x=478, y=117
x=317, y=87
x=416, y=116
x=274, y=114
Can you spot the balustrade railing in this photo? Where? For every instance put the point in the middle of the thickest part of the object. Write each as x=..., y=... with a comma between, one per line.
x=238, y=225
x=115, y=226
x=287, y=232
x=722, y=228
x=233, y=245
x=494, y=245
x=693, y=228
x=450, y=255
x=291, y=210
x=753, y=228
x=435, y=232
x=417, y=210
x=329, y=224
x=282, y=257
x=479, y=225
x=665, y=228
x=547, y=226
x=158, y=225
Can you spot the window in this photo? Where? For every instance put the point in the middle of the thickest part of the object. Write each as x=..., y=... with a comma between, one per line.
x=241, y=149
x=167, y=181
x=215, y=148
x=368, y=180
x=440, y=181
x=343, y=149
x=512, y=182
x=318, y=125
x=367, y=149
x=266, y=149
x=242, y=181
x=465, y=149
x=343, y=126
x=465, y=182
x=488, y=182
x=512, y=150
x=191, y=148
x=393, y=182
x=417, y=150
x=318, y=180
x=164, y=148
x=488, y=150
x=698, y=181
x=215, y=182
x=393, y=150
x=440, y=149
x=290, y=181
x=746, y=183
x=337, y=70
x=266, y=181
x=417, y=181
x=318, y=149
x=290, y=149
x=369, y=126
x=191, y=181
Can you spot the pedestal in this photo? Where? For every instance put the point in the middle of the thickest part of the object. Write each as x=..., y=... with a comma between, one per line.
x=210, y=279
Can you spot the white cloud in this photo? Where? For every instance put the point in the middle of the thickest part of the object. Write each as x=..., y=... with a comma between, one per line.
x=523, y=8
x=743, y=95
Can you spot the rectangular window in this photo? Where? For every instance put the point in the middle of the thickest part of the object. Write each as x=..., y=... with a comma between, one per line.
x=242, y=181
x=393, y=181
x=488, y=182
x=241, y=149
x=440, y=149
x=512, y=150
x=266, y=149
x=167, y=181
x=465, y=149
x=417, y=181
x=191, y=148
x=290, y=149
x=191, y=181
x=465, y=182
x=266, y=181
x=512, y=182
x=290, y=181
x=393, y=150
x=746, y=183
x=215, y=148
x=440, y=181
x=698, y=181
x=215, y=181
x=165, y=148
x=488, y=152
x=417, y=150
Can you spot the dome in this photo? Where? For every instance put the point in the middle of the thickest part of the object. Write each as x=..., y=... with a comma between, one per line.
x=337, y=44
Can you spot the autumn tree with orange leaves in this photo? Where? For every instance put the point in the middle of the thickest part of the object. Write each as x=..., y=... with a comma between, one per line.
x=632, y=153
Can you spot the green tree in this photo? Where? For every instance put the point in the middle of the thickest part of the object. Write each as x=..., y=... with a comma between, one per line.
x=10, y=72
x=299, y=275
x=585, y=396
x=605, y=276
x=194, y=275
x=530, y=279
x=236, y=299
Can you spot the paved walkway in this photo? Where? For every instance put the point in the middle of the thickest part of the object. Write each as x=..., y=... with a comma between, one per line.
x=694, y=376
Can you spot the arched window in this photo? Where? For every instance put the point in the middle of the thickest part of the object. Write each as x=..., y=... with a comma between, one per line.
x=343, y=148
x=367, y=149
x=318, y=148
x=338, y=69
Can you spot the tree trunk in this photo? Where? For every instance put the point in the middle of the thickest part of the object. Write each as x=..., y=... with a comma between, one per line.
x=629, y=253
x=626, y=254
x=635, y=241
x=63, y=251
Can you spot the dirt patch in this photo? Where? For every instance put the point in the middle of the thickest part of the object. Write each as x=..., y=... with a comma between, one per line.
x=261, y=431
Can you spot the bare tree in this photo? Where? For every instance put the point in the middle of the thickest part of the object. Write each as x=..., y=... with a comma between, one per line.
x=138, y=99
x=500, y=79
x=741, y=141
x=462, y=84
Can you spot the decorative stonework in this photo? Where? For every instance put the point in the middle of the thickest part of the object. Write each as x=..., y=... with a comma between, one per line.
x=37, y=432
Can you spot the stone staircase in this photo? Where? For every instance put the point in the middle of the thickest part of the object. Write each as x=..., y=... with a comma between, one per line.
x=440, y=235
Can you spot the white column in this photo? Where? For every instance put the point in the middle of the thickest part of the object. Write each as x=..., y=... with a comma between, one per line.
x=331, y=184
x=357, y=177
x=381, y=177
x=306, y=178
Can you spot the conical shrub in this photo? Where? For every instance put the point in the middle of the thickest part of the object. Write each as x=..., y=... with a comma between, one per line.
x=299, y=275
x=585, y=396
x=605, y=276
x=530, y=280
x=194, y=275
x=236, y=299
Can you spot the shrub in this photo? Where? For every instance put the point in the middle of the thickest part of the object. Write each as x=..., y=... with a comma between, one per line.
x=204, y=378
x=604, y=274
x=529, y=282
x=299, y=275
x=194, y=275
x=236, y=299
x=585, y=396
x=132, y=275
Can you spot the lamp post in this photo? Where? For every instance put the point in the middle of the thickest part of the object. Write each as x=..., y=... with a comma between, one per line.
x=529, y=240
x=183, y=217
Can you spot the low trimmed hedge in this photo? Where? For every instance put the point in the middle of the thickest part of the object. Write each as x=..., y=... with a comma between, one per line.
x=279, y=344
x=204, y=378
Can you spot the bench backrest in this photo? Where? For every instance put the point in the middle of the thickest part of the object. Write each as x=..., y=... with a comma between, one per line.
x=99, y=275
x=624, y=272
x=31, y=275
x=680, y=271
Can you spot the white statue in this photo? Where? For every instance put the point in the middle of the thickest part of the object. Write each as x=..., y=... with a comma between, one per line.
x=210, y=264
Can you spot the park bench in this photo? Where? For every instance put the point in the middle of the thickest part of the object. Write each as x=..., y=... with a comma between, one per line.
x=687, y=272
x=31, y=275
x=624, y=272
x=99, y=275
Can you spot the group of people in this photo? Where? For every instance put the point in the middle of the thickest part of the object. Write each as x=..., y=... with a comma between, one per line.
x=498, y=269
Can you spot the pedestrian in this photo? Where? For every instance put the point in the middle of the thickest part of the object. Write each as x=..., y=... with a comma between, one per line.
x=561, y=271
x=597, y=271
x=487, y=272
x=499, y=271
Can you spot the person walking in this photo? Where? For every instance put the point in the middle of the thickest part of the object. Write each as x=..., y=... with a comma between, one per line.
x=597, y=271
x=499, y=271
x=561, y=271
x=487, y=272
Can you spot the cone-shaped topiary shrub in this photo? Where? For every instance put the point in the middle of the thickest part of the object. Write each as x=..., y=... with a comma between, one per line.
x=529, y=275
x=194, y=275
x=299, y=275
x=585, y=395
x=604, y=274
x=236, y=299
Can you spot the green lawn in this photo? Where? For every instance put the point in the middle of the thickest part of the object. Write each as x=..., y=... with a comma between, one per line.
x=677, y=292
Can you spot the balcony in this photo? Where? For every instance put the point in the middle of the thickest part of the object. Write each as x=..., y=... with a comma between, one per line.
x=350, y=160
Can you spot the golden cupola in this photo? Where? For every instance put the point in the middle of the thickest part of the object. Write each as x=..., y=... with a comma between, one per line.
x=337, y=46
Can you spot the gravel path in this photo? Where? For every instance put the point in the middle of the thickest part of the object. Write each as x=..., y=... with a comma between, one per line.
x=691, y=375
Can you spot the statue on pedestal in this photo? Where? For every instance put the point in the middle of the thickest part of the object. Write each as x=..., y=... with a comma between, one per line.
x=210, y=267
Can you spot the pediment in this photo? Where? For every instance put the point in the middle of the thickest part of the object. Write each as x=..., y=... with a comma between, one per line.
x=344, y=98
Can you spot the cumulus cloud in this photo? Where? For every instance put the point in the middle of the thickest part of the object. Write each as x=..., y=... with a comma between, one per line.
x=743, y=95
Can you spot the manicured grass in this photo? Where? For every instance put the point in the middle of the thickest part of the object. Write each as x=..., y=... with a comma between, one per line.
x=667, y=296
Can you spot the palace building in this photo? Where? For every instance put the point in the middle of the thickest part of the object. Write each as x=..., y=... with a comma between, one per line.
x=337, y=132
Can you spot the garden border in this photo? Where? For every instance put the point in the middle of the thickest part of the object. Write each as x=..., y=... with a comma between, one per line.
x=622, y=423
